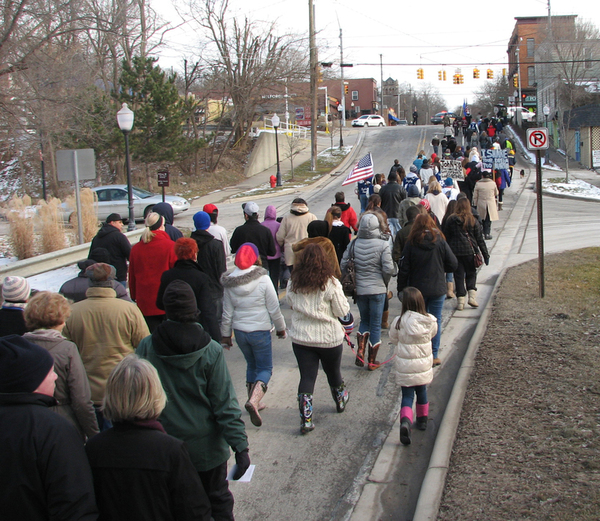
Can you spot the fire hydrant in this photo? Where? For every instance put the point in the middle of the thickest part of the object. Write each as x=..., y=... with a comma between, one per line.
x=273, y=181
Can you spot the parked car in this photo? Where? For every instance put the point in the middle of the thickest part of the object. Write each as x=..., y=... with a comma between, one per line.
x=113, y=199
x=369, y=120
x=525, y=114
x=438, y=119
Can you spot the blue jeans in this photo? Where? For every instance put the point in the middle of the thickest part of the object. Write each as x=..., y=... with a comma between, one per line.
x=394, y=225
x=434, y=306
x=371, y=311
x=408, y=395
x=364, y=201
x=256, y=348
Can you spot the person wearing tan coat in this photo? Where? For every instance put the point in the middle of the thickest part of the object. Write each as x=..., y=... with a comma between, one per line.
x=484, y=198
x=294, y=228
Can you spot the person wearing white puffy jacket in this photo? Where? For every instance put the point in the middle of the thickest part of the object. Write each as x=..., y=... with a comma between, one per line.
x=250, y=306
x=412, y=332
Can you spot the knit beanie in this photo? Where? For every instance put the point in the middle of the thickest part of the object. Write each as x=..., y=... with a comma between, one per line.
x=413, y=191
x=201, y=220
x=426, y=204
x=246, y=256
x=100, y=274
x=15, y=289
x=317, y=229
x=179, y=300
x=448, y=182
x=23, y=365
x=413, y=169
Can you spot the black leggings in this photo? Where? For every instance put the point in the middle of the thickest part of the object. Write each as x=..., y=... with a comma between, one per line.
x=308, y=363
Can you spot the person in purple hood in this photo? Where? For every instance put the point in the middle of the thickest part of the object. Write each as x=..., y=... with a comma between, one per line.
x=271, y=223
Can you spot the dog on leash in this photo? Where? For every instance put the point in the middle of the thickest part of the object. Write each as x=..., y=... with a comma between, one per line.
x=522, y=173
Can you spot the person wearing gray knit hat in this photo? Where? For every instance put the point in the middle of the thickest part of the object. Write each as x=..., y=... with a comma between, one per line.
x=15, y=293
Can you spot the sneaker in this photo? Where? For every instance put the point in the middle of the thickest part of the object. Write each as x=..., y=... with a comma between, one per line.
x=436, y=362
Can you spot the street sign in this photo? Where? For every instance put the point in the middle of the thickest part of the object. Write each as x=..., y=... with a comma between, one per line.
x=537, y=138
x=75, y=165
x=163, y=178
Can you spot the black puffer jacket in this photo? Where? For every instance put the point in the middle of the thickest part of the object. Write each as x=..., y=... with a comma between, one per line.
x=424, y=265
x=118, y=247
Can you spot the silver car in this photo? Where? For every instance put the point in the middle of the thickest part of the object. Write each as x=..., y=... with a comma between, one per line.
x=113, y=199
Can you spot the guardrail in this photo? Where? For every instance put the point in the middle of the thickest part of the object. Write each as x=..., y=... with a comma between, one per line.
x=56, y=259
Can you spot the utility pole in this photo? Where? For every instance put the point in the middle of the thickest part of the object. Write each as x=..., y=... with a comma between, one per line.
x=313, y=86
x=343, y=119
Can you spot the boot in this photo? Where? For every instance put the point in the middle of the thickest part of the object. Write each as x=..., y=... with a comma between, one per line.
x=340, y=396
x=306, y=412
x=450, y=290
x=249, y=385
x=405, y=425
x=422, y=413
x=361, y=344
x=499, y=206
x=461, y=304
x=258, y=391
x=373, y=363
x=384, y=319
x=472, y=302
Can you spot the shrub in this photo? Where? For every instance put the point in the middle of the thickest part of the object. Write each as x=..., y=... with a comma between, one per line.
x=20, y=218
x=89, y=212
x=51, y=227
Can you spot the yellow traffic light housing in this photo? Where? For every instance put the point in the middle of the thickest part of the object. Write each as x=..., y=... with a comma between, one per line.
x=516, y=80
x=490, y=74
x=444, y=75
x=476, y=73
x=345, y=88
x=420, y=74
x=440, y=75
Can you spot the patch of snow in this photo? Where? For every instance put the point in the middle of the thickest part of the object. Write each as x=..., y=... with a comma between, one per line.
x=574, y=188
x=53, y=280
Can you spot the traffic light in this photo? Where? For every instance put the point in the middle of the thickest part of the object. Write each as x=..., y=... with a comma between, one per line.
x=475, y=73
x=490, y=74
x=455, y=79
x=461, y=79
x=440, y=75
x=503, y=72
x=516, y=80
x=345, y=88
x=444, y=75
x=420, y=74
x=319, y=75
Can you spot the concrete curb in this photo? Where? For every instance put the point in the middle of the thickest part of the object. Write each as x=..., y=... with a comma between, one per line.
x=433, y=485
x=568, y=196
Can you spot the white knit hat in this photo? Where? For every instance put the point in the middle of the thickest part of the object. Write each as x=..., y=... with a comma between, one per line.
x=15, y=289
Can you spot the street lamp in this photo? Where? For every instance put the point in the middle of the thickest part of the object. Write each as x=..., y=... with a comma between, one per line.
x=125, y=120
x=275, y=120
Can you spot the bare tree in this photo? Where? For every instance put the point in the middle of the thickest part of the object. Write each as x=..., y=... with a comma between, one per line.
x=293, y=144
x=492, y=93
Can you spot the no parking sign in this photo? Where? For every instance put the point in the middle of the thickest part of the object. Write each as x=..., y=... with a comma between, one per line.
x=537, y=138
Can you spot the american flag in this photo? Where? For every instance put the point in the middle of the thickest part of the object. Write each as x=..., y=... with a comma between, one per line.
x=362, y=170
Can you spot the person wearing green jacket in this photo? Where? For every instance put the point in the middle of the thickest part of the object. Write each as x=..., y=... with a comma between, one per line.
x=202, y=409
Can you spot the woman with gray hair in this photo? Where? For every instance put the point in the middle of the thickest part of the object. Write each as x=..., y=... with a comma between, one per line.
x=140, y=472
x=149, y=259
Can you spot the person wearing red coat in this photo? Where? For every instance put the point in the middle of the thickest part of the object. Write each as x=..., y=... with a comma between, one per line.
x=149, y=259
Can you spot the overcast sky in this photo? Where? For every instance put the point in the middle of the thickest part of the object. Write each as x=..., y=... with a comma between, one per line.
x=433, y=35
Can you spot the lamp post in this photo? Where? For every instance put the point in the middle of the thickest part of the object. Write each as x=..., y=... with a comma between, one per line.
x=275, y=120
x=125, y=120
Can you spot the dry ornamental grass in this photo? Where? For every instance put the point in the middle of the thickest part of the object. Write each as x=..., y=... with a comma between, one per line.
x=52, y=232
x=20, y=217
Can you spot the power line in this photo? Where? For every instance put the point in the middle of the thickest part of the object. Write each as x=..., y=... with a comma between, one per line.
x=473, y=64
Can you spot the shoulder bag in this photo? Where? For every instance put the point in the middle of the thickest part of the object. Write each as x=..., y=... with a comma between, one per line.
x=349, y=276
x=477, y=257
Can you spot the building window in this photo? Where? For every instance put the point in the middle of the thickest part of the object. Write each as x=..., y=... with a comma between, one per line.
x=531, y=76
x=354, y=95
x=530, y=47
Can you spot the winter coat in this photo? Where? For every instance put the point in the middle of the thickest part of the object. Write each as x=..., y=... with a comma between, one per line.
x=411, y=179
x=456, y=236
x=118, y=246
x=206, y=296
x=340, y=238
x=211, y=258
x=293, y=229
x=250, y=302
x=414, y=358
x=72, y=390
x=424, y=265
x=220, y=233
x=271, y=223
x=439, y=203
x=12, y=321
x=400, y=241
x=392, y=194
x=166, y=210
x=348, y=215
x=484, y=198
x=405, y=205
x=202, y=410
x=259, y=235
x=328, y=248
x=140, y=472
x=75, y=288
x=45, y=472
x=372, y=258
x=105, y=329
x=504, y=179
x=315, y=316
x=148, y=261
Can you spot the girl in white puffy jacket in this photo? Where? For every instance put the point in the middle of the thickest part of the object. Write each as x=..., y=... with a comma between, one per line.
x=412, y=332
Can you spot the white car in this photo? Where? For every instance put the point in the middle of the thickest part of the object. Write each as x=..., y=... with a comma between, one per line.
x=525, y=114
x=113, y=199
x=369, y=120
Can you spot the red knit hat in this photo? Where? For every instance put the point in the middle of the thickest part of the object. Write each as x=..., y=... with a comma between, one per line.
x=246, y=256
x=425, y=203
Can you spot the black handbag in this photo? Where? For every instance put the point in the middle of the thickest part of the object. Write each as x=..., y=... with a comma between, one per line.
x=349, y=276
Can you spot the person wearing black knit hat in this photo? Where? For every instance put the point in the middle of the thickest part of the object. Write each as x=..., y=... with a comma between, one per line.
x=49, y=473
x=203, y=409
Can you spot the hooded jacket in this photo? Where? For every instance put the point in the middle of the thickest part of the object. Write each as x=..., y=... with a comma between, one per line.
x=166, y=210
x=271, y=223
x=118, y=247
x=211, y=258
x=74, y=289
x=250, y=302
x=202, y=410
x=414, y=358
x=458, y=241
x=348, y=215
x=392, y=194
x=293, y=229
x=253, y=231
x=372, y=258
x=424, y=265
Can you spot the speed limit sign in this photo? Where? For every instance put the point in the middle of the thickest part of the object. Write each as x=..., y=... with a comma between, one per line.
x=537, y=139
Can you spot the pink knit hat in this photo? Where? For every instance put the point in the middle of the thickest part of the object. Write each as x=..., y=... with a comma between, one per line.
x=426, y=204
